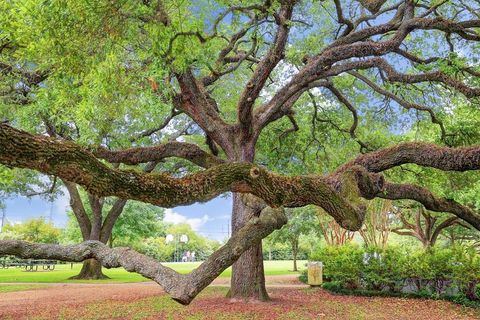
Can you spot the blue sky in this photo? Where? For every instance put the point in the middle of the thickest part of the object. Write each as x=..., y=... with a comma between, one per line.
x=210, y=219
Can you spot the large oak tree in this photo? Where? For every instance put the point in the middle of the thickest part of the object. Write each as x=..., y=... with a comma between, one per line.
x=104, y=78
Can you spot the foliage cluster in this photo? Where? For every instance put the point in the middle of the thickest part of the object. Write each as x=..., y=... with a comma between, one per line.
x=33, y=230
x=435, y=272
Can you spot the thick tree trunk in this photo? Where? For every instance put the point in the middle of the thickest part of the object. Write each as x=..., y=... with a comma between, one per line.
x=91, y=270
x=248, y=279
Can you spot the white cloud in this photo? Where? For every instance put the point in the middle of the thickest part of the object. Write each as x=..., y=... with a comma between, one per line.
x=62, y=203
x=176, y=218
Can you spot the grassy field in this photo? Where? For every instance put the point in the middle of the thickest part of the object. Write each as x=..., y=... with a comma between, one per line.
x=65, y=271
x=20, y=287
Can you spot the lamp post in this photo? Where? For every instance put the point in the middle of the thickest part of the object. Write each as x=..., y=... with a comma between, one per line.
x=4, y=214
x=176, y=239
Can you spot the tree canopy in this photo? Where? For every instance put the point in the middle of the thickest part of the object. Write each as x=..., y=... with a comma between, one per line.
x=285, y=103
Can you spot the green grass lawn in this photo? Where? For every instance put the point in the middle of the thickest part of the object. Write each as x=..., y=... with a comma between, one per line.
x=65, y=271
x=19, y=287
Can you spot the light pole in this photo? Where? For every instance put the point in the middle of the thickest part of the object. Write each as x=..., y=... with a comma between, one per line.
x=4, y=215
x=176, y=239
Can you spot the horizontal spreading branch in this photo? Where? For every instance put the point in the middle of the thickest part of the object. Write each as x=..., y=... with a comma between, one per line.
x=335, y=193
x=422, y=154
x=181, y=287
x=426, y=155
x=133, y=156
x=73, y=163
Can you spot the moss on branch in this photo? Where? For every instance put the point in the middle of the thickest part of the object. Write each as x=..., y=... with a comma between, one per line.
x=76, y=164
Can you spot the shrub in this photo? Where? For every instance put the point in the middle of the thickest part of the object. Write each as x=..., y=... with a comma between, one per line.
x=466, y=271
x=383, y=269
x=303, y=277
x=341, y=263
x=436, y=272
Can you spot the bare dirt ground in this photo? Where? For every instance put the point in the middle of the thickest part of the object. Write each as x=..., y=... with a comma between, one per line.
x=290, y=300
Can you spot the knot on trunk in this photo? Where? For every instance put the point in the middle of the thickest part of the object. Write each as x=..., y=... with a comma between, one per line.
x=254, y=172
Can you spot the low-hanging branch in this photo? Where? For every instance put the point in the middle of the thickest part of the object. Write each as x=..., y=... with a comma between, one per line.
x=73, y=163
x=181, y=287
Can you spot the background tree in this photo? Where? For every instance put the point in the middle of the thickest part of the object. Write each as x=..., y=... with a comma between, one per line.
x=332, y=232
x=423, y=225
x=115, y=220
x=300, y=222
x=137, y=222
x=32, y=230
x=377, y=226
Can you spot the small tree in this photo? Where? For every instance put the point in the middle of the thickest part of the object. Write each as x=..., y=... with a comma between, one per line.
x=376, y=229
x=300, y=222
x=332, y=232
x=137, y=221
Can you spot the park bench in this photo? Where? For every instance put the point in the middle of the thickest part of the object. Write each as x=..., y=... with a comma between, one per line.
x=28, y=264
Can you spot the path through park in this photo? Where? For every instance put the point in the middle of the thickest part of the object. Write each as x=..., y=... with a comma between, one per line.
x=290, y=300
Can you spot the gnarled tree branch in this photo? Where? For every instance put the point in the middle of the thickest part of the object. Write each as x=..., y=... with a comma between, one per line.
x=181, y=287
x=73, y=163
x=132, y=156
x=422, y=154
x=264, y=69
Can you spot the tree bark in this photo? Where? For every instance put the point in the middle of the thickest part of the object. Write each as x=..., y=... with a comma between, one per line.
x=248, y=278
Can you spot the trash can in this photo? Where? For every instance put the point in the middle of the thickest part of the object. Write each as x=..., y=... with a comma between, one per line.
x=315, y=273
